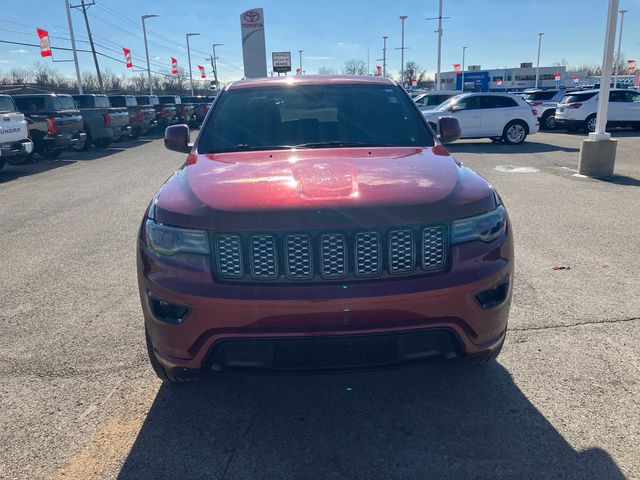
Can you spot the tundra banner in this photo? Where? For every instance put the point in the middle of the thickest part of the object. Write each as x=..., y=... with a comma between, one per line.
x=254, y=52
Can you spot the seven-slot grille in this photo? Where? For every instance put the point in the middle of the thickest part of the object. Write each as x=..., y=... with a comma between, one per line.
x=330, y=255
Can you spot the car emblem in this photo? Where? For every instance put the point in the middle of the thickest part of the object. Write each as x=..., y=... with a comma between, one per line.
x=251, y=16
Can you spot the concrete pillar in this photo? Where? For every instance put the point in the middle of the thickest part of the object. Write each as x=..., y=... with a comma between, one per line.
x=597, y=158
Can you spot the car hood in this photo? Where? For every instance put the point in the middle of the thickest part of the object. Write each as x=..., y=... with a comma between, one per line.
x=286, y=188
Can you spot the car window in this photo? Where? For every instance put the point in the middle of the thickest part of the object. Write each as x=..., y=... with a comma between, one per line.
x=64, y=103
x=30, y=104
x=436, y=99
x=633, y=97
x=537, y=96
x=578, y=97
x=617, y=96
x=469, y=103
x=320, y=115
x=131, y=101
x=494, y=101
x=117, y=101
x=102, y=101
x=6, y=105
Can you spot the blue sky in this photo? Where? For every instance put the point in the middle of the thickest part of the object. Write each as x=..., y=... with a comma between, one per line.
x=499, y=33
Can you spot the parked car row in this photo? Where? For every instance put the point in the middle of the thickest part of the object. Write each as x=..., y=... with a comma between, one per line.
x=47, y=124
x=507, y=117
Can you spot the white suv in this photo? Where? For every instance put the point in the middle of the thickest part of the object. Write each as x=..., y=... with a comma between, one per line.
x=503, y=117
x=430, y=100
x=578, y=109
x=545, y=101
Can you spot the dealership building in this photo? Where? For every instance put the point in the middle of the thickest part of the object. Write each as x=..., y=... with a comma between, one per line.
x=508, y=79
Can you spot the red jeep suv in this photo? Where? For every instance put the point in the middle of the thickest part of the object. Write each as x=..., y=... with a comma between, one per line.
x=318, y=224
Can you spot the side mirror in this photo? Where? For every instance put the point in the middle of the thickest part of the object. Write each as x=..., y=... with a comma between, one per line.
x=449, y=129
x=176, y=138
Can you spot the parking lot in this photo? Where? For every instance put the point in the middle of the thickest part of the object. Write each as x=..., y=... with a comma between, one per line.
x=79, y=399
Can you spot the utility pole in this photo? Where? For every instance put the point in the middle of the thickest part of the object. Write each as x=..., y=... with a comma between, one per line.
x=464, y=49
x=84, y=6
x=300, y=52
x=439, y=32
x=214, y=65
x=146, y=51
x=617, y=59
x=189, y=56
x=402, y=19
x=73, y=46
x=538, y=62
x=384, y=55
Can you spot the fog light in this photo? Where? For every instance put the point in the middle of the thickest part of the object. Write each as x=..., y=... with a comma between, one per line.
x=494, y=296
x=168, y=312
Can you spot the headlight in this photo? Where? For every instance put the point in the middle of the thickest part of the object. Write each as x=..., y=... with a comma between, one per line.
x=485, y=227
x=171, y=240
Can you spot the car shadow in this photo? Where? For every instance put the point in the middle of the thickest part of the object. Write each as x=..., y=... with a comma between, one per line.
x=487, y=146
x=13, y=172
x=437, y=421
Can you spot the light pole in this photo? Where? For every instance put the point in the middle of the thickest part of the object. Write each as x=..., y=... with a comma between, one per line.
x=439, y=32
x=538, y=62
x=402, y=18
x=300, y=53
x=189, y=56
x=73, y=47
x=146, y=51
x=214, y=64
x=384, y=55
x=617, y=59
x=464, y=49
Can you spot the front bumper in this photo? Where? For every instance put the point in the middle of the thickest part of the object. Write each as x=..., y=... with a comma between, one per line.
x=249, y=315
x=20, y=148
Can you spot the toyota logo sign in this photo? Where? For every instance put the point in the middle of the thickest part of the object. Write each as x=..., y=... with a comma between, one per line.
x=251, y=16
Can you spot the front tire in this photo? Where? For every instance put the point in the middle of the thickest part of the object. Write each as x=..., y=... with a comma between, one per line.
x=515, y=132
x=102, y=142
x=49, y=152
x=590, y=123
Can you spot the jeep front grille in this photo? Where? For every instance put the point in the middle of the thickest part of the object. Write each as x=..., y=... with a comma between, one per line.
x=330, y=255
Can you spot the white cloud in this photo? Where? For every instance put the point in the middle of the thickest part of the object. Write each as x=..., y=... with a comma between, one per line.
x=318, y=57
x=348, y=45
x=20, y=50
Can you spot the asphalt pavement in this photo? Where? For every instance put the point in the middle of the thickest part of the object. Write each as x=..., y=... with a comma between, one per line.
x=78, y=399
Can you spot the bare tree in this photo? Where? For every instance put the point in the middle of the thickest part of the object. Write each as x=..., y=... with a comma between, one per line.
x=354, y=67
x=327, y=71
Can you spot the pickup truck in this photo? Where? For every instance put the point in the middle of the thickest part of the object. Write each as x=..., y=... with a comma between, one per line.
x=142, y=118
x=165, y=114
x=184, y=113
x=102, y=123
x=54, y=121
x=201, y=106
x=15, y=145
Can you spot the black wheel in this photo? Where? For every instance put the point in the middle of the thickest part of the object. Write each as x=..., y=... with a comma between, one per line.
x=102, y=142
x=49, y=152
x=548, y=121
x=164, y=374
x=83, y=146
x=514, y=132
x=590, y=123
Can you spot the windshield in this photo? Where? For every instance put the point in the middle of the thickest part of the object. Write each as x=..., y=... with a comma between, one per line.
x=64, y=103
x=6, y=105
x=313, y=116
x=445, y=106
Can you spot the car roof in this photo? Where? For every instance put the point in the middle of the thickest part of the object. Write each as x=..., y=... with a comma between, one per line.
x=310, y=80
x=40, y=95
